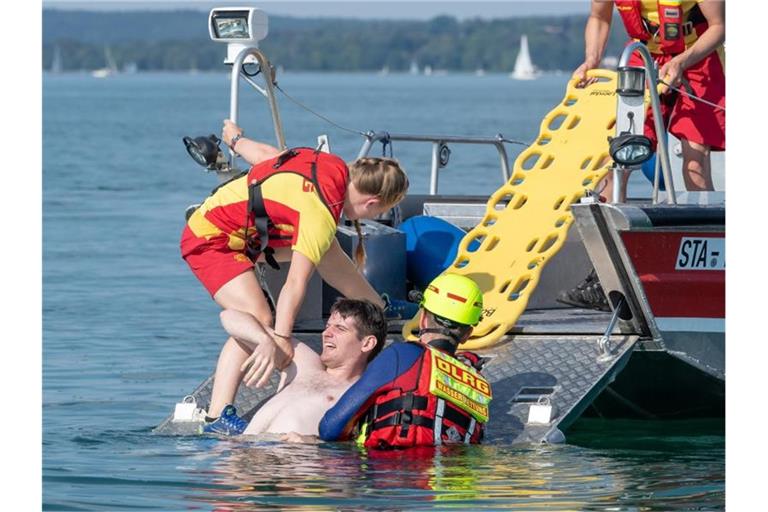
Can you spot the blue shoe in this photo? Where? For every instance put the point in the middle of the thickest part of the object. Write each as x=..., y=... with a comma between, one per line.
x=228, y=424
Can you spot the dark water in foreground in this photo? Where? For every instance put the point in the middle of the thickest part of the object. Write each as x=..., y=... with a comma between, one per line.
x=127, y=330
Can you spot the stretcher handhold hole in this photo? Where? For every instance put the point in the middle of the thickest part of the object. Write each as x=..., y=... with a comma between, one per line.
x=531, y=245
x=586, y=182
x=462, y=263
x=549, y=242
x=547, y=162
x=586, y=163
x=475, y=243
x=570, y=101
x=611, y=124
x=493, y=242
x=504, y=287
x=520, y=202
x=544, y=140
x=503, y=201
x=556, y=122
x=533, y=264
x=530, y=161
x=517, y=291
x=560, y=222
x=489, y=221
x=559, y=202
x=575, y=120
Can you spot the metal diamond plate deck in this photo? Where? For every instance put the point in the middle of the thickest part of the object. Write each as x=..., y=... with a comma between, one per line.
x=566, y=364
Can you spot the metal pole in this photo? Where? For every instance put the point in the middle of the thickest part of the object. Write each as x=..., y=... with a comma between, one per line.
x=504, y=160
x=234, y=95
x=435, y=167
x=369, y=138
x=658, y=121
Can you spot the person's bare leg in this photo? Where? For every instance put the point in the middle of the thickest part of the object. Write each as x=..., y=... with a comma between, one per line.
x=697, y=171
x=242, y=293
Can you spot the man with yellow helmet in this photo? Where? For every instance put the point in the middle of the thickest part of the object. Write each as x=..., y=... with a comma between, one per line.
x=421, y=393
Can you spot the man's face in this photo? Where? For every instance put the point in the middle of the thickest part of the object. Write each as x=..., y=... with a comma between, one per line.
x=341, y=343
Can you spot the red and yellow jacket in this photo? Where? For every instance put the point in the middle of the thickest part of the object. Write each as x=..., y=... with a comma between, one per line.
x=303, y=193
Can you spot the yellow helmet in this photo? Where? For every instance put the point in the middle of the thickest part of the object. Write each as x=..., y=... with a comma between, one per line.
x=455, y=298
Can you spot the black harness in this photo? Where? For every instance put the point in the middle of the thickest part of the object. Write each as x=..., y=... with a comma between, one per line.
x=261, y=220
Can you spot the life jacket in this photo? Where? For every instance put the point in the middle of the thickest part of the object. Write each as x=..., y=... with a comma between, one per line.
x=439, y=400
x=301, y=161
x=672, y=27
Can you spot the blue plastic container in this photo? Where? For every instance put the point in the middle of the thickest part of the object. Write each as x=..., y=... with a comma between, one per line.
x=430, y=247
x=649, y=168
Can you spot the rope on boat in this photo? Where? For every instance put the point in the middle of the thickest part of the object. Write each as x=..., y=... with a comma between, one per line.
x=301, y=105
x=361, y=133
x=692, y=96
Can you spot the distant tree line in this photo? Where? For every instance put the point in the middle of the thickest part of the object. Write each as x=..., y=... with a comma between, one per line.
x=176, y=41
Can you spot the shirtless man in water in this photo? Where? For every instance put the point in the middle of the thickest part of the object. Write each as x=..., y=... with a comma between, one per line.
x=312, y=383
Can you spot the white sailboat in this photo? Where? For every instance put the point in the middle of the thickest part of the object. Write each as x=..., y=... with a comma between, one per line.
x=111, y=68
x=524, y=68
x=56, y=65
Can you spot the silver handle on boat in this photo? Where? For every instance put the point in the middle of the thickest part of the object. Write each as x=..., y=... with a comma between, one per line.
x=269, y=92
x=658, y=121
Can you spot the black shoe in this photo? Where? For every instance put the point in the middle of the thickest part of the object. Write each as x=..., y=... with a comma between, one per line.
x=587, y=294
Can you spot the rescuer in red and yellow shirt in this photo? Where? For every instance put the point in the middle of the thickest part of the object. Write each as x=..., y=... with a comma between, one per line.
x=301, y=196
x=686, y=39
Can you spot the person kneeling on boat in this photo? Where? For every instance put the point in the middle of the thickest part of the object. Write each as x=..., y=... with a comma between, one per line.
x=421, y=393
x=354, y=334
x=287, y=208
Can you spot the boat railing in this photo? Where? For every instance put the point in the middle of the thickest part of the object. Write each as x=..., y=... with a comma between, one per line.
x=440, y=150
x=662, y=151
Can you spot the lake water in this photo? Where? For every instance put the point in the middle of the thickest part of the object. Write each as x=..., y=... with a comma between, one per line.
x=127, y=330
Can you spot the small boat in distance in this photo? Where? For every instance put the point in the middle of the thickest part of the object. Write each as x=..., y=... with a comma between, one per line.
x=111, y=68
x=524, y=68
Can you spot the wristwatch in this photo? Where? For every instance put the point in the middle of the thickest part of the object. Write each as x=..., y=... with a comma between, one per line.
x=234, y=140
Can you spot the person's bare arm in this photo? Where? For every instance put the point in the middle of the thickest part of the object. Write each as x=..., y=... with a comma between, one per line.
x=709, y=41
x=251, y=151
x=265, y=357
x=337, y=269
x=292, y=294
x=596, y=33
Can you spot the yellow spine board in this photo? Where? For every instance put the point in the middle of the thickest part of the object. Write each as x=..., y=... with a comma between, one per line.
x=527, y=219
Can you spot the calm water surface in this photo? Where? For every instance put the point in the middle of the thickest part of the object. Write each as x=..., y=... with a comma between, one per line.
x=127, y=330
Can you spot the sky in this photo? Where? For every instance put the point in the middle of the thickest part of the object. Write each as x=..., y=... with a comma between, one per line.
x=424, y=9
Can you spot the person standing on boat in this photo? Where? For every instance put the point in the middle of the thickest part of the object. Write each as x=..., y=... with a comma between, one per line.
x=421, y=393
x=686, y=40
x=285, y=208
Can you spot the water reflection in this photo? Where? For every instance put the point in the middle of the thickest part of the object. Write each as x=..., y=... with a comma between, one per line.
x=332, y=477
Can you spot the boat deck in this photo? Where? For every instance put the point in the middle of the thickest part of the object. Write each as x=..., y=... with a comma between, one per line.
x=552, y=356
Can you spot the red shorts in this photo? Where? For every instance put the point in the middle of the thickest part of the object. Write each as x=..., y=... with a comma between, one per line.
x=691, y=119
x=211, y=260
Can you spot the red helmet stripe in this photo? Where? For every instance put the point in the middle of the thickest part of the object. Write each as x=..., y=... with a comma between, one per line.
x=456, y=297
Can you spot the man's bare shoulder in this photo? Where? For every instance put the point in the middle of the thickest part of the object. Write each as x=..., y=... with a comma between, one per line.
x=305, y=359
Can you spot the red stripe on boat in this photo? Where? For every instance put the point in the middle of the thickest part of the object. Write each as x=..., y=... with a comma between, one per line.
x=673, y=292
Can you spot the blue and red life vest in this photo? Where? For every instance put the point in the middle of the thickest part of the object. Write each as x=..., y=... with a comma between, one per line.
x=439, y=400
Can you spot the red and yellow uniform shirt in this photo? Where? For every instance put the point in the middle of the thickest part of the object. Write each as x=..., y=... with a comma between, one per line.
x=213, y=241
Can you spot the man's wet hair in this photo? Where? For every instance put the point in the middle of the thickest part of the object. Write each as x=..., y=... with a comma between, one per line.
x=369, y=320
